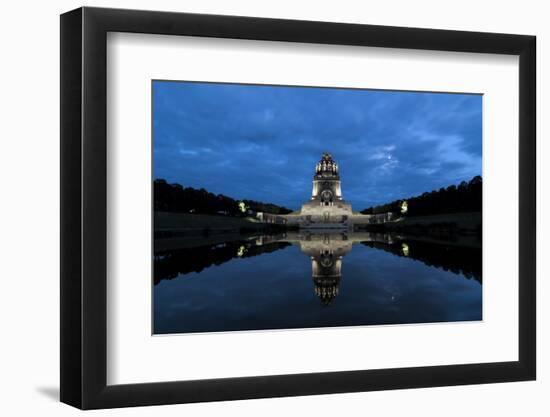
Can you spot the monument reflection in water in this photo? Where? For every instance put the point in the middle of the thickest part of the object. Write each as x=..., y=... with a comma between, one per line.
x=326, y=251
x=354, y=278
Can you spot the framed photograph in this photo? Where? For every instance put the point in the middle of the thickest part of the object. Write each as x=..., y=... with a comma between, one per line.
x=257, y=208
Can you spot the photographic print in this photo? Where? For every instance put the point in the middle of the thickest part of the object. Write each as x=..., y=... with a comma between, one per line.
x=295, y=207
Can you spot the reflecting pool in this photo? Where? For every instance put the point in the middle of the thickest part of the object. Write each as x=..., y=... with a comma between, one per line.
x=308, y=280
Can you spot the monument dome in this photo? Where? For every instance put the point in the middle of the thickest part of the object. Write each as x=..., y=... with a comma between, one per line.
x=326, y=165
x=326, y=207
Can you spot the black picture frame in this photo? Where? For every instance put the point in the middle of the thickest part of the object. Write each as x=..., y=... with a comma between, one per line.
x=84, y=207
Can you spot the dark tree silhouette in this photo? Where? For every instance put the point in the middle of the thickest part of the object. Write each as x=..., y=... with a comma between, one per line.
x=465, y=197
x=457, y=259
x=170, y=264
x=175, y=198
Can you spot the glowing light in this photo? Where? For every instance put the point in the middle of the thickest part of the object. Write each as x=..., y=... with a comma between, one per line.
x=242, y=206
x=404, y=207
x=405, y=249
x=241, y=251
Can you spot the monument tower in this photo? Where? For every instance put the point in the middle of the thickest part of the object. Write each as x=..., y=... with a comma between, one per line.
x=326, y=181
x=326, y=206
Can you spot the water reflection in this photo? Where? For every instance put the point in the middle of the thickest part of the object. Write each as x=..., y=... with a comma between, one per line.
x=172, y=263
x=463, y=260
x=326, y=250
x=304, y=280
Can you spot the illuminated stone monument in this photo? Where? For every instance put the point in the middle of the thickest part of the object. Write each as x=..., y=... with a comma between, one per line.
x=326, y=206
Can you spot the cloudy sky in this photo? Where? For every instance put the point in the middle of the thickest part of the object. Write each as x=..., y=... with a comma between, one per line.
x=262, y=142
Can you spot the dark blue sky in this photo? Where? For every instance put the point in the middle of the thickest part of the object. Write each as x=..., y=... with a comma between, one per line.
x=262, y=142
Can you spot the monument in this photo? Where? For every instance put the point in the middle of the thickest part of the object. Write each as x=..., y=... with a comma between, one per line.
x=326, y=209
x=326, y=206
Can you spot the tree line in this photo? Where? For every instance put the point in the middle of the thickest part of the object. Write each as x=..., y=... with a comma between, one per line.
x=173, y=263
x=465, y=197
x=175, y=198
x=457, y=259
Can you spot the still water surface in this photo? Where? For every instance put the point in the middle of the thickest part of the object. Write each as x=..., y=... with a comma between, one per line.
x=299, y=280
